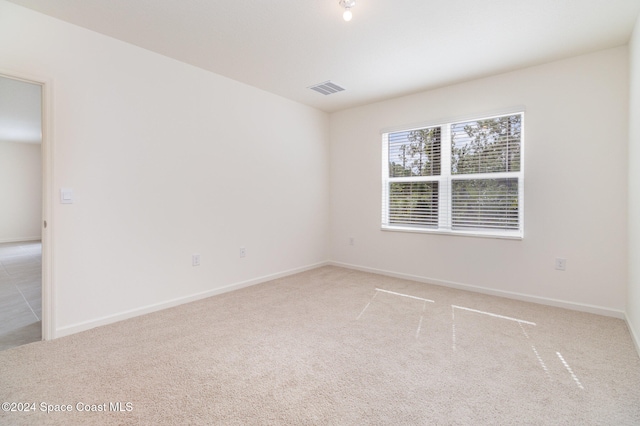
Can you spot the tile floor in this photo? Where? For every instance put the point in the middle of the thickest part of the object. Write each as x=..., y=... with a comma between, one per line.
x=20, y=293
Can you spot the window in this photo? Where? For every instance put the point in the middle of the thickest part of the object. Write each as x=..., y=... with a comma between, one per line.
x=462, y=178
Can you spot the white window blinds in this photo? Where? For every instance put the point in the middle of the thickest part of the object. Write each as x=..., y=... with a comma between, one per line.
x=462, y=177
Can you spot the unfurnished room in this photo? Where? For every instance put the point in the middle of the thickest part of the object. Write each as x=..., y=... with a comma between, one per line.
x=325, y=212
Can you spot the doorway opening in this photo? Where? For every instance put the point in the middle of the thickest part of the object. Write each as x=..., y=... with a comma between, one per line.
x=24, y=166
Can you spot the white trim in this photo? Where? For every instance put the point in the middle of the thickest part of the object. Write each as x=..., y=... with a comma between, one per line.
x=383, y=181
x=471, y=233
x=599, y=310
x=20, y=240
x=446, y=180
x=466, y=117
x=634, y=335
x=109, y=319
x=48, y=265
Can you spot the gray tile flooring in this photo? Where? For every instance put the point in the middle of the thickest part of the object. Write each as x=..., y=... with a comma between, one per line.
x=20, y=293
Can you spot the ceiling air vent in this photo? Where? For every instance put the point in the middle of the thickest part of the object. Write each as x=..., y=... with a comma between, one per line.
x=327, y=88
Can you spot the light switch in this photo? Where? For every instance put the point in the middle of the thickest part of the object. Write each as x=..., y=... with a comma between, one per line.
x=66, y=196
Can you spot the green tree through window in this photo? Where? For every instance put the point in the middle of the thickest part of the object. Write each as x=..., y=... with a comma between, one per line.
x=462, y=177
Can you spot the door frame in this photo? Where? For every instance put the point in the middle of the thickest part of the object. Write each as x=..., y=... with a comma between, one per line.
x=48, y=293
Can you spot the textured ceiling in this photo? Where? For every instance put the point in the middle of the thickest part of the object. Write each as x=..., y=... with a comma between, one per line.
x=390, y=48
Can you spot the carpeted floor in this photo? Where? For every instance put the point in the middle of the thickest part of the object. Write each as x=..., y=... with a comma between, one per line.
x=334, y=346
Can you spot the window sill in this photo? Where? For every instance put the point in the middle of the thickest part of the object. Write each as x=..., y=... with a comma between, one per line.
x=476, y=234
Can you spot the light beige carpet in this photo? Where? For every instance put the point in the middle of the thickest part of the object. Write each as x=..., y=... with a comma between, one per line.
x=330, y=347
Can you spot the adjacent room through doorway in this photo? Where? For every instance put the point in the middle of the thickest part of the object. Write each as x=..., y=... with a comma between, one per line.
x=20, y=293
x=21, y=212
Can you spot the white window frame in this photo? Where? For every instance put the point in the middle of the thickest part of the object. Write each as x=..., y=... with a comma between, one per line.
x=445, y=181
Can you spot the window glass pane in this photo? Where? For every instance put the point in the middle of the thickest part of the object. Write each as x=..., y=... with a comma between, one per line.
x=413, y=203
x=415, y=153
x=485, y=204
x=486, y=146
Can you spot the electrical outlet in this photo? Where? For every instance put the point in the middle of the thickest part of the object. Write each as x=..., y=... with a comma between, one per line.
x=561, y=264
x=243, y=252
x=352, y=241
x=195, y=260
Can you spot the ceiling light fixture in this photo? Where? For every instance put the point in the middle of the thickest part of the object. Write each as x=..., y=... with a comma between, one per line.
x=347, y=4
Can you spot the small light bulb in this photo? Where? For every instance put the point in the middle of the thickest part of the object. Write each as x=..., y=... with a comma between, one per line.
x=347, y=15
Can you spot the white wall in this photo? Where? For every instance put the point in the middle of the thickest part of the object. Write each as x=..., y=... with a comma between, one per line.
x=20, y=191
x=633, y=303
x=166, y=160
x=575, y=186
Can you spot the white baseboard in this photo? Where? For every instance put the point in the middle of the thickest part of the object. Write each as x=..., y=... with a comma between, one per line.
x=87, y=325
x=634, y=334
x=500, y=293
x=109, y=319
x=20, y=239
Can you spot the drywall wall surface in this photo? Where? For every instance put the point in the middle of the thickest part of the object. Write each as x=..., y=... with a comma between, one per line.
x=166, y=160
x=575, y=185
x=20, y=111
x=633, y=296
x=20, y=191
